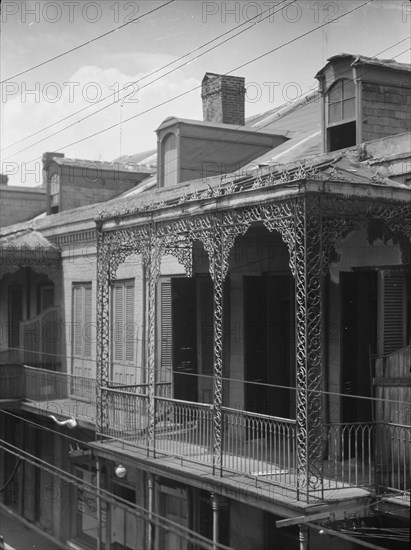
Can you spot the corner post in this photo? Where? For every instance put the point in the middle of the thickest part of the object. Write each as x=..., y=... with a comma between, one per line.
x=308, y=281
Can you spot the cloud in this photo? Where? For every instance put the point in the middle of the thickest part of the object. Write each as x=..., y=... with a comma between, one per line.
x=25, y=113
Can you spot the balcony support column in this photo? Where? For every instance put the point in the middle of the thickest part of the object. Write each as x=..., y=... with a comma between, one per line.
x=151, y=258
x=103, y=332
x=304, y=537
x=216, y=518
x=150, y=512
x=308, y=285
x=218, y=280
x=98, y=503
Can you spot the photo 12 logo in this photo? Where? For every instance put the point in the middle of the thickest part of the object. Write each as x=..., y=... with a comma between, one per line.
x=53, y=92
x=71, y=12
x=274, y=12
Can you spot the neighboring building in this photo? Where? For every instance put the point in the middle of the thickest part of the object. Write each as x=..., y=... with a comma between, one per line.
x=71, y=183
x=20, y=203
x=222, y=359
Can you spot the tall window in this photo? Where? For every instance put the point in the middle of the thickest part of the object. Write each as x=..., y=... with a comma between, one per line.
x=169, y=160
x=82, y=337
x=341, y=127
x=123, y=329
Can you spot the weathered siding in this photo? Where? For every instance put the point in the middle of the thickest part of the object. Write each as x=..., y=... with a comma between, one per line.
x=386, y=110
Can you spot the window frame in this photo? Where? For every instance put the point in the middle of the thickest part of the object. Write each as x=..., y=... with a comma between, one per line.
x=341, y=101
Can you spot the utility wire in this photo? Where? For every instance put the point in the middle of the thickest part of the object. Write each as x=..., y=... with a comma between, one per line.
x=315, y=97
x=210, y=377
x=198, y=87
x=155, y=72
x=14, y=472
x=86, y=43
x=140, y=511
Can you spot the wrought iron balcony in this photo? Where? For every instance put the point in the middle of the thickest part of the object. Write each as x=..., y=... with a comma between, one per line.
x=260, y=446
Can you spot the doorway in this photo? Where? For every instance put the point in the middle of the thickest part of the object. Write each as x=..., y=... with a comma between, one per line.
x=358, y=342
x=269, y=335
x=184, y=338
x=15, y=315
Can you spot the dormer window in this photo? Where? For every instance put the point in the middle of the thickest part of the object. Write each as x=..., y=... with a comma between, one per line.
x=340, y=109
x=169, y=165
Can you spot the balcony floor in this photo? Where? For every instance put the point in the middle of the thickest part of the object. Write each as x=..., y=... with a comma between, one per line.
x=273, y=487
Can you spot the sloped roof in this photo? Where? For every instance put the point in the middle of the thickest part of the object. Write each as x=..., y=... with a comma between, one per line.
x=291, y=118
x=99, y=165
x=302, y=146
x=337, y=168
x=27, y=239
x=344, y=164
x=357, y=60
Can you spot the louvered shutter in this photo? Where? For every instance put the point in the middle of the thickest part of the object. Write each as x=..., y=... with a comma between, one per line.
x=165, y=331
x=87, y=335
x=129, y=322
x=77, y=320
x=118, y=308
x=123, y=321
x=82, y=317
x=393, y=310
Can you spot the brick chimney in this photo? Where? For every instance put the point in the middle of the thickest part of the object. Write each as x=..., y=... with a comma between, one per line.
x=49, y=156
x=223, y=99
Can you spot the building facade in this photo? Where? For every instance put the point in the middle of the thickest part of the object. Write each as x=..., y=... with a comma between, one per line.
x=230, y=350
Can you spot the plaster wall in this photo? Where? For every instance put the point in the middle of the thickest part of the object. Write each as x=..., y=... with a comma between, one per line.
x=246, y=527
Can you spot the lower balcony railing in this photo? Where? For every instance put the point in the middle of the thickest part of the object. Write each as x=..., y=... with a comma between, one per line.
x=59, y=393
x=261, y=446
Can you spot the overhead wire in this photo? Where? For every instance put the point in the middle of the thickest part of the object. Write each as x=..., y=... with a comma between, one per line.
x=315, y=97
x=152, y=517
x=198, y=87
x=153, y=73
x=211, y=377
x=71, y=50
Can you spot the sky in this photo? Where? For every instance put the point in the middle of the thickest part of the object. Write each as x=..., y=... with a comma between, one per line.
x=278, y=47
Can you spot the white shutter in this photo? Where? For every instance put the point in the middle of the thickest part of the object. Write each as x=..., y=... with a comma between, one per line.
x=129, y=322
x=82, y=318
x=118, y=315
x=87, y=329
x=123, y=321
x=77, y=320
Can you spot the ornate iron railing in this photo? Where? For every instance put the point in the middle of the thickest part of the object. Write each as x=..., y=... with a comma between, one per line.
x=127, y=414
x=58, y=393
x=348, y=459
x=260, y=445
x=10, y=381
x=393, y=456
x=163, y=389
x=184, y=428
x=47, y=385
x=40, y=339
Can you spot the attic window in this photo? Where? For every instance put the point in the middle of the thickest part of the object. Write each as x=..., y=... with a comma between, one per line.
x=169, y=160
x=341, y=123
